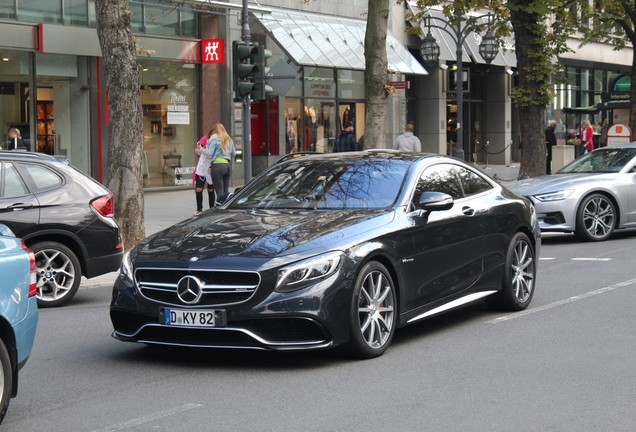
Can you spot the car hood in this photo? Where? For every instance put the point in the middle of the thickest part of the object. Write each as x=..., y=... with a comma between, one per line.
x=555, y=182
x=259, y=233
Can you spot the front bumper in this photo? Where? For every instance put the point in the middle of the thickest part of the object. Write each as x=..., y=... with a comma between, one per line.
x=315, y=317
x=556, y=216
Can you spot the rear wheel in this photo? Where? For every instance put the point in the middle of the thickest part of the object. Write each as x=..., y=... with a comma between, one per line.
x=519, y=275
x=6, y=380
x=58, y=272
x=595, y=218
x=373, y=311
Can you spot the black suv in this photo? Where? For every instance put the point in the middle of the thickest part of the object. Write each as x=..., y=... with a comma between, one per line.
x=64, y=216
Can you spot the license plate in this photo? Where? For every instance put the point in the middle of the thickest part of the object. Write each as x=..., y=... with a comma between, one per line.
x=190, y=318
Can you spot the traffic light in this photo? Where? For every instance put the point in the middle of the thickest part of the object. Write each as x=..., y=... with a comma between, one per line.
x=261, y=89
x=243, y=56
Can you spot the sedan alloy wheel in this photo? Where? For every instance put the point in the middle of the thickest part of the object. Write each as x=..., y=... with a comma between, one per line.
x=596, y=218
x=374, y=322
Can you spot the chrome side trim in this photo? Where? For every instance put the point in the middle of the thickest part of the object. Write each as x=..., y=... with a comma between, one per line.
x=455, y=303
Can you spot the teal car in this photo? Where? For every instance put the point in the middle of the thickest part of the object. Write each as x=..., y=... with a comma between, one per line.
x=18, y=312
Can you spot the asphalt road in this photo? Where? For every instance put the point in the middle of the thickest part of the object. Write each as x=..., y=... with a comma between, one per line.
x=565, y=364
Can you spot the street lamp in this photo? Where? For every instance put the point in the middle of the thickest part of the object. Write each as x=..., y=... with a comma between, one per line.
x=488, y=49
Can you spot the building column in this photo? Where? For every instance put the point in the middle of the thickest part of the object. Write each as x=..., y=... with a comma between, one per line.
x=497, y=116
x=430, y=113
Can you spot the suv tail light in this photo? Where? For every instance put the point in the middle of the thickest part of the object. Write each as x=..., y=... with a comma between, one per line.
x=104, y=205
x=33, y=276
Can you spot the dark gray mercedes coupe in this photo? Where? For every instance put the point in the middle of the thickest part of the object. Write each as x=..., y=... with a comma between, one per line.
x=331, y=250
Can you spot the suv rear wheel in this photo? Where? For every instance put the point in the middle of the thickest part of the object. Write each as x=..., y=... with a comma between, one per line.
x=59, y=273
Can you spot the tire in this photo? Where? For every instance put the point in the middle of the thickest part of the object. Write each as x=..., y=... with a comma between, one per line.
x=6, y=380
x=595, y=218
x=373, y=315
x=519, y=276
x=58, y=271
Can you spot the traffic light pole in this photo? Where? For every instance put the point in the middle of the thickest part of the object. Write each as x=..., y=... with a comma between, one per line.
x=246, y=37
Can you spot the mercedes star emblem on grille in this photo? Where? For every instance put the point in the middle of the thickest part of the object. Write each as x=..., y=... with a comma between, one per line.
x=189, y=289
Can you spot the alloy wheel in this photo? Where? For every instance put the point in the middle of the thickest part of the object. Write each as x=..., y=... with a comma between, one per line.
x=598, y=217
x=522, y=269
x=376, y=307
x=55, y=273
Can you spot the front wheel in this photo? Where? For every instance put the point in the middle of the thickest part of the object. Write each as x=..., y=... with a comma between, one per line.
x=373, y=313
x=595, y=218
x=6, y=380
x=58, y=273
x=520, y=271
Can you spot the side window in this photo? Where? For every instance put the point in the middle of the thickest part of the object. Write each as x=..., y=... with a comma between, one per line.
x=472, y=182
x=42, y=177
x=438, y=178
x=12, y=184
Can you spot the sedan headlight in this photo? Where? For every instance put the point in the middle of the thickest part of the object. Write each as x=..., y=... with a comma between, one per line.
x=555, y=196
x=302, y=273
x=125, y=271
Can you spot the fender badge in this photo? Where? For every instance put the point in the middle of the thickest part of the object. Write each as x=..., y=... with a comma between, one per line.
x=193, y=259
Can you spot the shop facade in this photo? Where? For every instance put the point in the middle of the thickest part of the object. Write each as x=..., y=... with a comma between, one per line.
x=52, y=86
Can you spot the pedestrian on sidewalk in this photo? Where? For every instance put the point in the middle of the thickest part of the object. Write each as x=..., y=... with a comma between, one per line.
x=587, y=136
x=408, y=142
x=221, y=151
x=202, y=176
x=550, y=141
x=346, y=141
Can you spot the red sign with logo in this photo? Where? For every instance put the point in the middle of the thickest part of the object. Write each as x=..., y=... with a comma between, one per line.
x=212, y=51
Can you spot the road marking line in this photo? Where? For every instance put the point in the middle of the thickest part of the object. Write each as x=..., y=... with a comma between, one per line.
x=547, y=258
x=149, y=417
x=591, y=259
x=562, y=302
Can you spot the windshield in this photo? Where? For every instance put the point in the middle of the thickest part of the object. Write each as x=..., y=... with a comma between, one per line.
x=604, y=160
x=326, y=184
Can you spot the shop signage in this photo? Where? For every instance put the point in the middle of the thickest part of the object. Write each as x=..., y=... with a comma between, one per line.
x=178, y=118
x=619, y=87
x=183, y=175
x=212, y=51
x=400, y=85
x=619, y=134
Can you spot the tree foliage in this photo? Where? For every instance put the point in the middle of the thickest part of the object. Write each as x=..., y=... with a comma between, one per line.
x=121, y=70
x=540, y=30
x=613, y=22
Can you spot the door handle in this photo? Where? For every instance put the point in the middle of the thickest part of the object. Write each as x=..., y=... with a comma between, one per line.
x=20, y=206
x=468, y=211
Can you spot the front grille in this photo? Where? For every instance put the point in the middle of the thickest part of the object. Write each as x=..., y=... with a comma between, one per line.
x=218, y=287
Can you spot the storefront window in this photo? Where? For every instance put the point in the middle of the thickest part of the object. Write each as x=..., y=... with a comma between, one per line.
x=161, y=20
x=15, y=94
x=76, y=12
x=294, y=118
x=47, y=11
x=169, y=101
x=319, y=83
x=320, y=124
x=350, y=84
x=7, y=9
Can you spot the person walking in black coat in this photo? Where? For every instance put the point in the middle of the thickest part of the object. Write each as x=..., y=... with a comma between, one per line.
x=550, y=141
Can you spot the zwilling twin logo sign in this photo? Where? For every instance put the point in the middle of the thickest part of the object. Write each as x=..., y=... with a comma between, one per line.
x=212, y=51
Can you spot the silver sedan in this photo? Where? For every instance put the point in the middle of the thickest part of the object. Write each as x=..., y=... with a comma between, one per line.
x=592, y=196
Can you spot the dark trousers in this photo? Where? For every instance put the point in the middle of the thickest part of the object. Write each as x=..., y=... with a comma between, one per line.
x=200, y=183
x=221, y=173
x=548, y=159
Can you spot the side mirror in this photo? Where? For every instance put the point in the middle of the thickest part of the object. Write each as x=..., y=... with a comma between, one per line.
x=435, y=201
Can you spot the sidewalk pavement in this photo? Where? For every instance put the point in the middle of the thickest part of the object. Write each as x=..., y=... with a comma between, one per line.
x=164, y=208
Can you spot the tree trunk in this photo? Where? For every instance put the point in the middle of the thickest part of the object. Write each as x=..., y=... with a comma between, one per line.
x=121, y=70
x=529, y=37
x=375, y=75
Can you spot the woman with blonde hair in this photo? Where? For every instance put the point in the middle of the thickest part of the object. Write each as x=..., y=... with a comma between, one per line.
x=587, y=136
x=221, y=151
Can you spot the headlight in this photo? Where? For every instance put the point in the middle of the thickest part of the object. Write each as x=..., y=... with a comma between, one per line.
x=302, y=273
x=555, y=196
x=125, y=271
